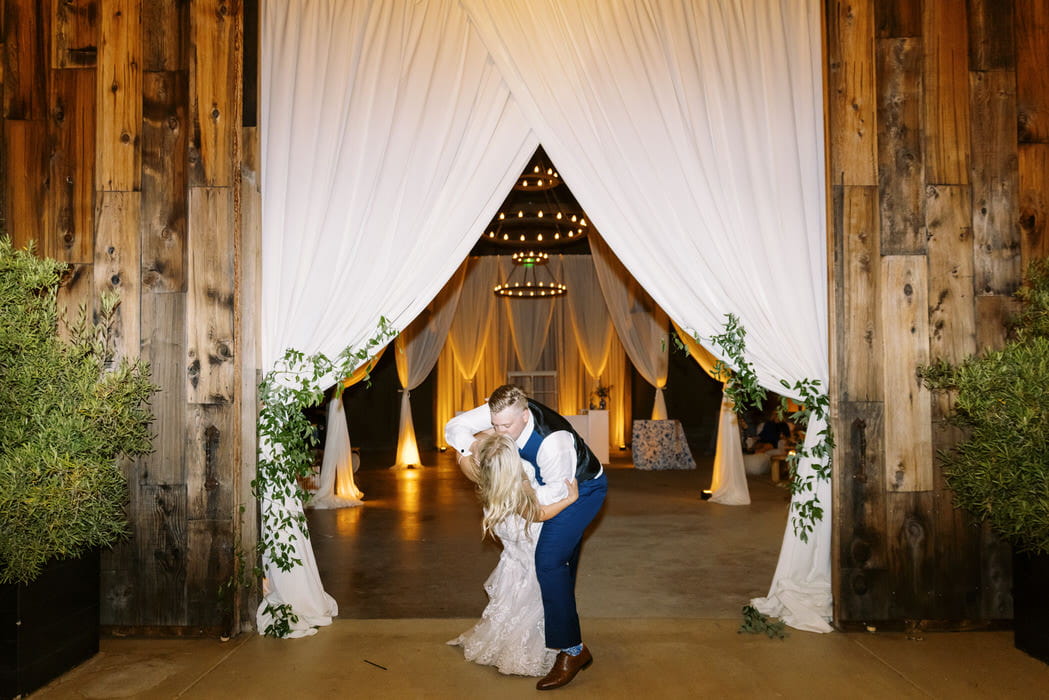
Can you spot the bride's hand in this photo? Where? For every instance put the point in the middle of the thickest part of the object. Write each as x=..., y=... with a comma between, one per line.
x=573, y=490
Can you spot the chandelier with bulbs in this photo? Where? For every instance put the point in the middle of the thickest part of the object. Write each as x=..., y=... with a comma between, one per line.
x=538, y=216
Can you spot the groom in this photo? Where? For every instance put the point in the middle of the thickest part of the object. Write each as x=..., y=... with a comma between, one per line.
x=547, y=442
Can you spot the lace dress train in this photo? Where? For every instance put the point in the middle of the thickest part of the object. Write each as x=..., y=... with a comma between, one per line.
x=510, y=634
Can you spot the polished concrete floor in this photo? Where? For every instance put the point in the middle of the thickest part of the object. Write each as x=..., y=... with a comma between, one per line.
x=662, y=579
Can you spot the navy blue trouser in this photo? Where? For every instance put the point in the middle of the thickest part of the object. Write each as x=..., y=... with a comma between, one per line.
x=556, y=561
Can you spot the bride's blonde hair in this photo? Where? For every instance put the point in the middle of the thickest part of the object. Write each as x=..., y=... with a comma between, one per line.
x=501, y=483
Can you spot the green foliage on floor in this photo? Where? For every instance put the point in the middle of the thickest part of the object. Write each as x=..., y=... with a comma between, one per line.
x=755, y=622
x=67, y=412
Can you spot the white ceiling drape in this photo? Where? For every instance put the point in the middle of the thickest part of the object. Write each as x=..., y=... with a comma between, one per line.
x=418, y=346
x=690, y=131
x=642, y=326
x=336, y=489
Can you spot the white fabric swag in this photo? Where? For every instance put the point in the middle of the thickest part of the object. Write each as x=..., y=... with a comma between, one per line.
x=418, y=348
x=336, y=488
x=642, y=326
x=529, y=325
x=689, y=130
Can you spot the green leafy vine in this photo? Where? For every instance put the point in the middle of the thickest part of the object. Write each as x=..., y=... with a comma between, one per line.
x=285, y=440
x=745, y=391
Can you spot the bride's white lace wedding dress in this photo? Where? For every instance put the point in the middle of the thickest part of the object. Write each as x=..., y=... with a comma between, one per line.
x=510, y=634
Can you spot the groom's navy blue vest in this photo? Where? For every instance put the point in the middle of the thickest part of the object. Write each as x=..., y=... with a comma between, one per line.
x=546, y=421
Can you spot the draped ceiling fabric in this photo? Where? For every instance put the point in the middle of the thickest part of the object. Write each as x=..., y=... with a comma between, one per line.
x=418, y=348
x=529, y=326
x=690, y=131
x=728, y=484
x=642, y=327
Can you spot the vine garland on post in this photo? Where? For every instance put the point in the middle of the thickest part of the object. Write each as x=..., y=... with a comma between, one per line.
x=285, y=439
x=745, y=391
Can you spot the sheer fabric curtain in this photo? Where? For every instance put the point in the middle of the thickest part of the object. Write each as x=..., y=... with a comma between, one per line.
x=418, y=348
x=692, y=133
x=728, y=484
x=336, y=488
x=529, y=323
x=388, y=141
x=643, y=328
x=469, y=332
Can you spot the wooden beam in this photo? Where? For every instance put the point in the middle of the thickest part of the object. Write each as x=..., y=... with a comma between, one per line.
x=945, y=78
x=852, y=93
x=952, y=315
x=26, y=184
x=214, y=93
x=116, y=266
x=1032, y=79
x=119, y=95
x=860, y=317
x=71, y=195
x=74, y=36
x=27, y=28
x=1033, y=202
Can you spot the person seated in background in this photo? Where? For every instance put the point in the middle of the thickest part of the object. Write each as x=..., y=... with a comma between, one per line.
x=772, y=435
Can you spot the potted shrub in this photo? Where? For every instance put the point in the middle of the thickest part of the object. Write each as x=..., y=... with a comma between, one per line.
x=1000, y=472
x=67, y=414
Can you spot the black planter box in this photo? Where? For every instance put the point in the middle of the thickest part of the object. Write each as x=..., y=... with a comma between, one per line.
x=1031, y=604
x=48, y=626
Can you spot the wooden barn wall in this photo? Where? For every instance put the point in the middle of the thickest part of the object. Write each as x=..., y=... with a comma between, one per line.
x=938, y=130
x=125, y=153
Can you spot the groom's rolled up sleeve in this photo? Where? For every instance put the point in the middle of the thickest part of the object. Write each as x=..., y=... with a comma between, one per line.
x=459, y=432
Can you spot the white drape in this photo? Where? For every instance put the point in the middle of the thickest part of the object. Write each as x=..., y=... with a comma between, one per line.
x=692, y=134
x=643, y=328
x=529, y=321
x=468, y=336
x=337, y=488
x=690, y=131
x=418, y=348
x=388, y=141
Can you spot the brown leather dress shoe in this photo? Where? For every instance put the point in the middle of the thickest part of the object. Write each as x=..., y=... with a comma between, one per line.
x=564, y=669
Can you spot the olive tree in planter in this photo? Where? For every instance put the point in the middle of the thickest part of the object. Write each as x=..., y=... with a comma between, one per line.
x=1000, y=472
x=68, y=412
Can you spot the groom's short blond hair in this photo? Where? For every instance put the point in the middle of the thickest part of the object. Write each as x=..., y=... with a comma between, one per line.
x=507, y=396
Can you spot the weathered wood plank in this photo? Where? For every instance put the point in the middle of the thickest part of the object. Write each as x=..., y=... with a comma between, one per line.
x=209, y=304
x=1032, y=78
x=897, y=18
x=992, y=312
x=164, y=347
x=76, y=291
x=27, y=26
x=912, y=531
x=26, y=146
x=852, y=92
x=900, y=172
x=117, y=253
x=946, y=80
x=861, y=313
x=164, y=25
x=860, y=514
x=905, y=325
x=214, y=93
x=164, y=181
x=74, y=36
x=952, y=316
x=119, y=99
x=1033, y=202
x=211, y=466
x=996, y=600
x=209, y=565
x=71, y=200
x=991, y=41
x=996, y=234
x=161, y=532
x=248, y=291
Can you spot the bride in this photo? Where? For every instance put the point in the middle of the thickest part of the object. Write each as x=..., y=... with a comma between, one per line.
x=510, y=634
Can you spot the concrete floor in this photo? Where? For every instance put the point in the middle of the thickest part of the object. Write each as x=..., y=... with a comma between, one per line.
x=662, y=578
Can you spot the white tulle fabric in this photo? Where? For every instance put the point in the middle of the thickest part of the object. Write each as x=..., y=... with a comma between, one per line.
x=510, y=634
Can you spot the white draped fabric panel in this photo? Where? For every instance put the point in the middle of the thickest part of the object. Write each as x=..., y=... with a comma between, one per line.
x=728, y=484
x=388, y=141
x=418, y=348
x=529, y=326
x=692, y=134
x=336, y=488
x=643, y=328
x=690, y=131
x=470, y=330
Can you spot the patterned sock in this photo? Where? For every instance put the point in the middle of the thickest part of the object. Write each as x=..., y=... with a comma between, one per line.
x=574, y=651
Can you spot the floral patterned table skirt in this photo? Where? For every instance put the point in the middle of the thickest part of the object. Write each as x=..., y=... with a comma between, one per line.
x=661, y=444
